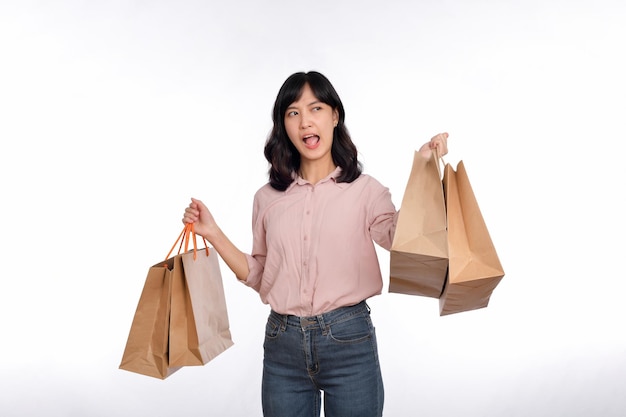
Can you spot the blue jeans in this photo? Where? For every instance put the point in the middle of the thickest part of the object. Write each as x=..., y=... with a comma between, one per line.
x=334, y=353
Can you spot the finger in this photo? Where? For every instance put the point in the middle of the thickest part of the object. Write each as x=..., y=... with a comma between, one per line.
x=441, y=137
x=440, y=141
x=190, y=215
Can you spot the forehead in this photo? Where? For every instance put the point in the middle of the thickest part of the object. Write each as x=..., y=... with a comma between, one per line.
x=306, y=96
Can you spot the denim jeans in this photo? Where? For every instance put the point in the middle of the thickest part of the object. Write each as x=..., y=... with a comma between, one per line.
x=334, y=353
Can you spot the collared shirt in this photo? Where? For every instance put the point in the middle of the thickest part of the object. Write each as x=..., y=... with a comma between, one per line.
x=313, y=244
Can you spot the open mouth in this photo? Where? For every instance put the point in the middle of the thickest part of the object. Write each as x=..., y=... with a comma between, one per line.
x=311, y=141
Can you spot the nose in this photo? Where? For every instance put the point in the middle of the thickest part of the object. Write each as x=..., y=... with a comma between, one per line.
x=304, y=120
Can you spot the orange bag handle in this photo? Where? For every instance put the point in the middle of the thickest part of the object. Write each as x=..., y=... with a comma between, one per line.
x=184, y=236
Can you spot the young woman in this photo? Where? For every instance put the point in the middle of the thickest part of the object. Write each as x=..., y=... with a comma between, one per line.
x=313, y=258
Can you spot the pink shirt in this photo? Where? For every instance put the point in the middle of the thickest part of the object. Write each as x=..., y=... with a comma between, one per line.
x=313, y=247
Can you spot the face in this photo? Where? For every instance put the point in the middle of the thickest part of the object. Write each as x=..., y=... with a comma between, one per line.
x=310, y=124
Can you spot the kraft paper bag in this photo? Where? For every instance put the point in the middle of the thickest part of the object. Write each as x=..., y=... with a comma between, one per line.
x=474, y=266
x=181, y=317
x=419, y=252
x=199, y=326
x=146, y=349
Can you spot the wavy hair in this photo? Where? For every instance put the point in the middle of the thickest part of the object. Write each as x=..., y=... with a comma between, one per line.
x=283, y=156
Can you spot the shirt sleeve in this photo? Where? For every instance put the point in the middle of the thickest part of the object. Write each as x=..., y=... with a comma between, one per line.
x=256, y=260
x=256, y=272
x=383, y=217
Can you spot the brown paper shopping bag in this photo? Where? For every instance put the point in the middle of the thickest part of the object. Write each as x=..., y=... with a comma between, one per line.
x=147, y=346
x=419, y=252
x=157, y=326
x=199, y=326
x=474, y=266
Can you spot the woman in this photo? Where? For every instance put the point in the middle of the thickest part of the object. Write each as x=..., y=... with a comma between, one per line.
x=313, y=258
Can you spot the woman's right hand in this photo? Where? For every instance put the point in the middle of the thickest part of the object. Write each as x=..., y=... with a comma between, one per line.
x=202, y=219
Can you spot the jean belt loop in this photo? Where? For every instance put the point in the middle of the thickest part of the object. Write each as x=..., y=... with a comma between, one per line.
x=320, y=321
x=283, y=322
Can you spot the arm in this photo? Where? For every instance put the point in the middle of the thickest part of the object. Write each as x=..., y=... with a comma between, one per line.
x=205, y=226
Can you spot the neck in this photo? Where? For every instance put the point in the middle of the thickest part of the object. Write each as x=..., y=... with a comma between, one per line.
x=314, y=172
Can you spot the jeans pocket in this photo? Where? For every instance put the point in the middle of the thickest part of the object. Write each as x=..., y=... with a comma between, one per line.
x=272, y=328
x=354, y=330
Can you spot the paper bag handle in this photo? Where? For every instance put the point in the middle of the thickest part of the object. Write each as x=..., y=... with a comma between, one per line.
x=437, y=159
x=184, y=237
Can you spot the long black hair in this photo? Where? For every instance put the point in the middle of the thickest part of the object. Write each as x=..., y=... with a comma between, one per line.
x=283, y=156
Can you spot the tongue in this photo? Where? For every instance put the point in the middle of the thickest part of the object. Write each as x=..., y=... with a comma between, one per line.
x=311, y=141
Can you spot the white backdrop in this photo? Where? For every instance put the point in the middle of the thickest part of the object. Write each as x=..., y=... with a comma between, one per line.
x=114, y=113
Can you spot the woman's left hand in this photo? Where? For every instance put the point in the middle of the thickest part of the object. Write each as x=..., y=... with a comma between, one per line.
x=439, y=142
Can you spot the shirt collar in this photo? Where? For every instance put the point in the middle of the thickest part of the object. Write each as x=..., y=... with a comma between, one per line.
x=298, y=180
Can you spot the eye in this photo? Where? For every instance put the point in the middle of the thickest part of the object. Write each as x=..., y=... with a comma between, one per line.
x=317, y=108
x=292, y=113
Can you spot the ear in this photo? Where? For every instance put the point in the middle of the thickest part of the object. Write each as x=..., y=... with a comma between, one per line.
x=335, y=117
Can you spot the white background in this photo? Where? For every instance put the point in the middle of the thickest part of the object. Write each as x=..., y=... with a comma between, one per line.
x=114, y=113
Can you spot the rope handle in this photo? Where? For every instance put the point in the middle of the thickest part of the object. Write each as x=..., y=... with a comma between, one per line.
x=184, y=237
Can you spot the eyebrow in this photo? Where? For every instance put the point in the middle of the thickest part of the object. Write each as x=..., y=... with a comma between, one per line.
x=310, y=104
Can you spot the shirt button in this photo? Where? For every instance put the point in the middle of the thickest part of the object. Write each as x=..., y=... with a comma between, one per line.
x=306, y=238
